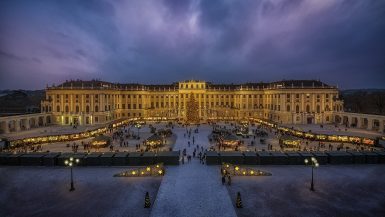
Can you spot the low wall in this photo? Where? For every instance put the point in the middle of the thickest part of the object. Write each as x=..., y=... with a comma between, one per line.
x=91, y=159
x=295, y=158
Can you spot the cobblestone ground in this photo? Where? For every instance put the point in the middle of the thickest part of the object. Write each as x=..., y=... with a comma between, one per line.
x=42, y=191
x=348, y=190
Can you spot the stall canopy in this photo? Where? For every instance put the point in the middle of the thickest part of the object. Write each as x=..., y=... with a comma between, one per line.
x=289, y=141
x=154, y=141
x=101, y=141
x=230, y=140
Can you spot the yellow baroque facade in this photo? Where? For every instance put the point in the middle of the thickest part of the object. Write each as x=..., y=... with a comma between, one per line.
x=285, y=102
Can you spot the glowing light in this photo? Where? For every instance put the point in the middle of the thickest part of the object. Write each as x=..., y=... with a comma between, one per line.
x=148, y=168
x=252, y=172
x=133, y=172
x=237, y=168
x=227, y=165
x=160, y=171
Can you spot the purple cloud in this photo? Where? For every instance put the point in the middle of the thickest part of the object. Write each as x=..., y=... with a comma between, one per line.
x=45, y=42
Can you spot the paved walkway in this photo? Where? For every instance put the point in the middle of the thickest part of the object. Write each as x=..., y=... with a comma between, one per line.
x=192, y=189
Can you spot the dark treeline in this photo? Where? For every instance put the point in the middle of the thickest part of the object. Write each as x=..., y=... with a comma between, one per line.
x=364, y=101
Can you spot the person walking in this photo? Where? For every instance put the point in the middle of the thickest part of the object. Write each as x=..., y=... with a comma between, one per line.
x=223, y=180
x=229, y=180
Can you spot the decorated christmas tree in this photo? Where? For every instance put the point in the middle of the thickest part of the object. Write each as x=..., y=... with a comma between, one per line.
x=192, y=110
x=147, y=202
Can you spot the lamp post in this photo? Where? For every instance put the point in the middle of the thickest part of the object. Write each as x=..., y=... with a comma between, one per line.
x=70, y=163
x=138, y=126
x=313, y=163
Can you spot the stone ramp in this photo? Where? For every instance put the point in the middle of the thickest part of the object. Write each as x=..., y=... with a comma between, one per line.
x=192, y=189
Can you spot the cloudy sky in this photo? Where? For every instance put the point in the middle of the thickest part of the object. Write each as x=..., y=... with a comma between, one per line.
x=341, y=42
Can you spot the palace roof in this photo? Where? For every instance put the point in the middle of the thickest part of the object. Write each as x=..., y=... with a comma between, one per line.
x=97, y=84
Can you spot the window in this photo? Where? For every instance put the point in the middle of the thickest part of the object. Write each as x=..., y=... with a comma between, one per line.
x=318, y=109
x=327, y=108
x=297, y=108
x=57, y=108
x=77, y=109
x=288, y=108
x=96, y=109
x=87, y=108
x=307, y=108
x=67, y=109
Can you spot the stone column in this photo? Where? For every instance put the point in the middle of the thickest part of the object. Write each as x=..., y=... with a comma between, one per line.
x=370, y=124
x=17, y=125
x=27, y=124
x=6, y=127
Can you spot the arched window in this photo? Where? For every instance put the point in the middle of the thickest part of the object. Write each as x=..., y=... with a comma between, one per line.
x=327, y=108
x=288, y=108
x=96, y=108
x=297, y=109
x=77, y=109
x=87, y=108
x=58, y=108
x=307, y=108
x=318, y=109
x=67, y=109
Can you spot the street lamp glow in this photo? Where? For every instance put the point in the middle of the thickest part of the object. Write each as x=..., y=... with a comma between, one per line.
x=314, y=163
x=70, y=163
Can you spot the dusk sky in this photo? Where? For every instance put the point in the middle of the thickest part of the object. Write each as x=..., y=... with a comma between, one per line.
x=341, y=42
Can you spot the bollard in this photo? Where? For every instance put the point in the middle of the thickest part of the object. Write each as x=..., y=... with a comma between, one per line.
x=238, y=203
x=147, y=202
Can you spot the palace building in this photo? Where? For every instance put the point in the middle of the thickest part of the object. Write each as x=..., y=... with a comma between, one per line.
x=93, y=102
